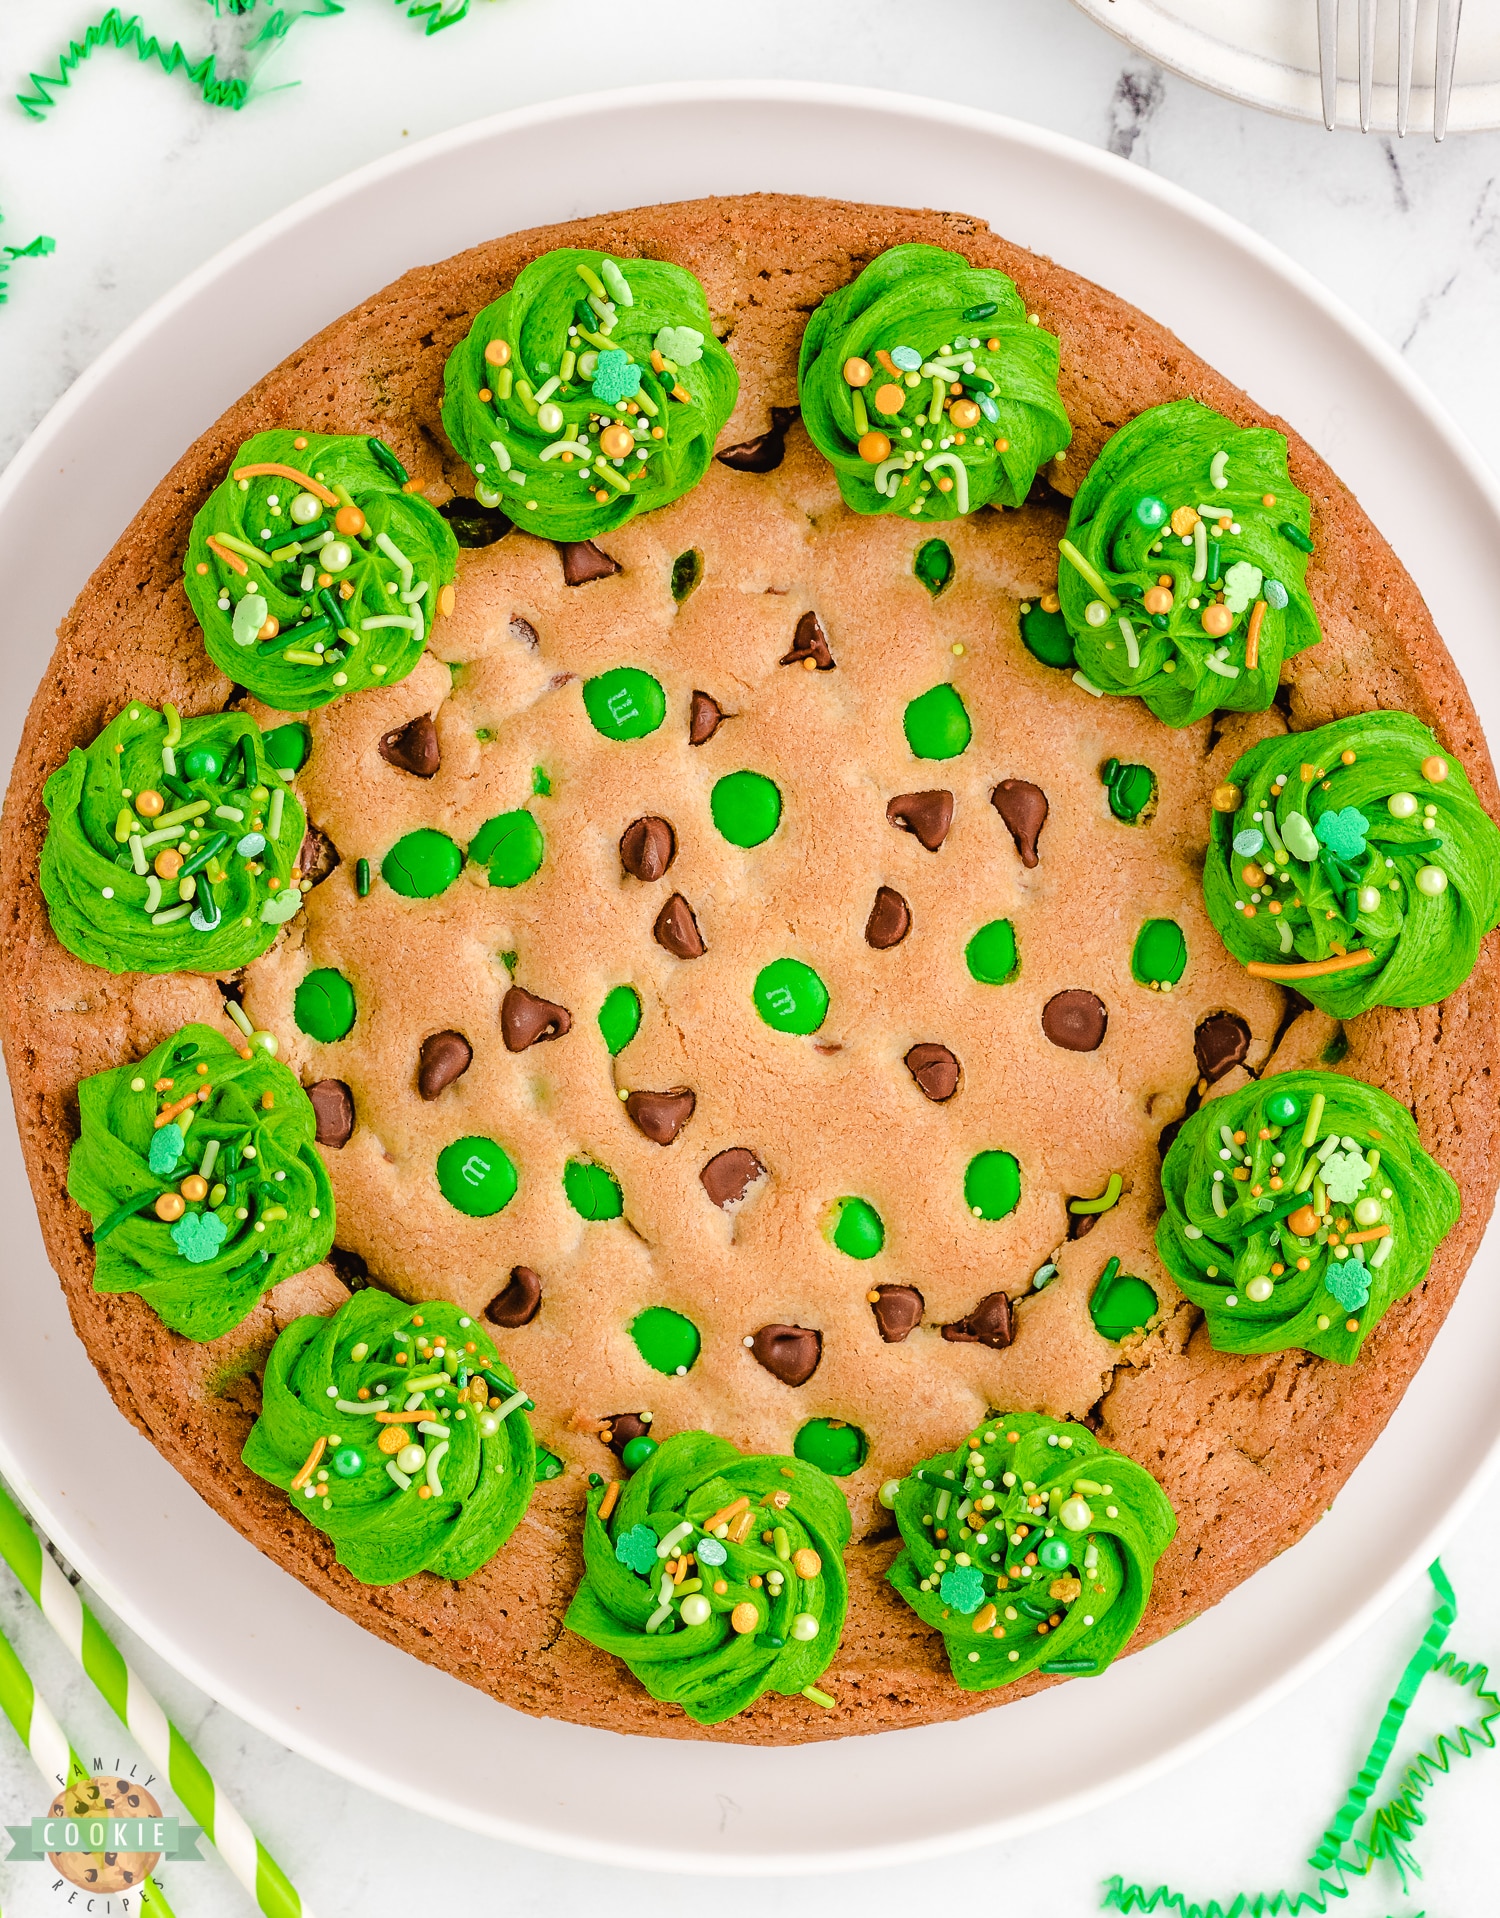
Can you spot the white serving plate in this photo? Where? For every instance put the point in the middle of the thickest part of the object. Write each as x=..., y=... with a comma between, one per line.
x=247, y=1632
x=1265, y=53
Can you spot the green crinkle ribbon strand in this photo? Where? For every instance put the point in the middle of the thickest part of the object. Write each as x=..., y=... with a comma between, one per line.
x=1340, y=1856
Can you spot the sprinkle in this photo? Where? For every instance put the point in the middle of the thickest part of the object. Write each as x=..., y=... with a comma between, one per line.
x=1315, y=969
x=362, y=878
x=320, y=1445
x=822, y=1698
x=1077, y=561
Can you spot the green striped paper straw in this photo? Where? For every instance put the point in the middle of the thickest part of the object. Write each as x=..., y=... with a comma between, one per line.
x=147, y=1723
x=45, y=1739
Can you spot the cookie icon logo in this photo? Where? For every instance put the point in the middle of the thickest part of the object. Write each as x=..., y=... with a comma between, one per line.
x=75, y=1817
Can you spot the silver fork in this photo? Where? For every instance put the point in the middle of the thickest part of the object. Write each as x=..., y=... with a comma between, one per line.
x=1449, y=14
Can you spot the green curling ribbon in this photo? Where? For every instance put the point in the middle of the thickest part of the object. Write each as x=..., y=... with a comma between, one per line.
x=1352, y=860
x=1121, y=542
x=328, y=1378
x=709, y=1668
x=268, y=562
x=583, y=345
x=921, y=321
x=1025, y=1487
x=219, y=800
x=1340, y=1855
x=1325, y=1159
x=268, y=1211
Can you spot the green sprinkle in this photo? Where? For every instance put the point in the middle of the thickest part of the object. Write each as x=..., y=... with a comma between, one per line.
x=1077, y=561
x=362, y=878
x=817, y=1697
x=1295, y=535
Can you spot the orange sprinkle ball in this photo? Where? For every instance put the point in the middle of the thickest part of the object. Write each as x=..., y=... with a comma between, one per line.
x=1435, y=769
x=874, y=448
x=201, y=567
x=617, y=442
x=858, y=372
x=424, y=1491
x=1268, y=499
x=270, y=629
x=1183, y=520
x=194, y=1186
x=1347, y=756
x=149, y=804
x=485, y=393
x=171, y=1205
x=349, y=521
x=391, y=1439
x=300, y=444
x=1217, y=620
x=889, y=399
x=744, y=1617
x=1158, y=599
x=497, y=353
x=964, y=413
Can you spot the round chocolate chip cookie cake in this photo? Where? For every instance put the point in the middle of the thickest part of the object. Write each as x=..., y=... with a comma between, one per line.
x=747, y=974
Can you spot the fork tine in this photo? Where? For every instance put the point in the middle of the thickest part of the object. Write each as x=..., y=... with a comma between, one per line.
x=1328, y=59
x=1449, y=14
x=1404, y=53
x=1366, y=61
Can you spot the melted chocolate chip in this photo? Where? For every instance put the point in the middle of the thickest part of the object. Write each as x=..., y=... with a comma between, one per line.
x=764, y=453
x=647, y=847
x=520, y=1302
x=333, y=1106
x=898, y=1311
x=583, y=561
x=677, y=929
x=729, y=1175
x=926, y=816
x=990, y=1323
x=413, y=747
x=444, y=1057
x=1221, y=1041
x=704, y=719
x=935, y=1070
x=317, y=856
x=524, y=633
x=809, y=642
x=621, y=1427
x=788, y=1352
x=1080, y=1224
x=1075, y=1020
x=889, y=921
x=526, y=1020
x=1023, y=807
x=661, y=1115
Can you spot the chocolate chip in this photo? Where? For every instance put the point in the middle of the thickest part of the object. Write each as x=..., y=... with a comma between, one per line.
x=525, y=633
x=317, y=856
x=1075, y=1020
x=621, y=1427
x=788, y=1352
x=764, y=453
x=444, y=1057
x=729, y=1175
x=1221, y=1041
x=935, y=1070
x=521, y=1300
x=1023, y=807
x=647, y=847
x=990, y=1323
x=526, y=1020
x=1080, y=1224
x=473, y=524
x=677, y=929
x=898, y=1311
x=583, y=561
x=889, y=921
x=661, y=1115
x=413, y=747
x=333, y=1105
x=810, y=642
x=704, y=719
x=926, y=816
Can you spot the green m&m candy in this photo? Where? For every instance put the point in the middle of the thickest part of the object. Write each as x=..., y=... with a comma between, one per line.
x=510, y=845
x=667, y=1342
x=937, y=724
x=790, y=996
x=1120, y=1303
x=832, y=1445
x=620, y=1018
x=476, y=1176
x=592, y=1190
x=635, y=1452
x=992, y=1184
x=422, y=864
x=624, y=703
x=1159, y=957
x=1046, y=637
x=991, y=953
x=323, y=1005
x=287, y=747
x=746, y=808
x=933, y=565
x=1131, y=789
x=855, y=1227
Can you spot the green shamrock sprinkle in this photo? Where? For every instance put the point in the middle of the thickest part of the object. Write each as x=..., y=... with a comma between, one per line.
x=637, y=1549
x=198, y=1236
x=1343, y=832
x=616, y=377
x=1346, y=1174
x=684, y=344
x=963, y=1589
x=1241, y=584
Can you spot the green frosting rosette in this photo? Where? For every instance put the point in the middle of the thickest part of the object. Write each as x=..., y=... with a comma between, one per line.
x=592, y=391
x=313, y=572
x=1030, y=1548
x=697, y=1517
x=171, y=845
x=397, y=1430
x=1298, y=1209
x=926, y=387
x=199, y=1170
x=1185, y=496
x=1355, y=864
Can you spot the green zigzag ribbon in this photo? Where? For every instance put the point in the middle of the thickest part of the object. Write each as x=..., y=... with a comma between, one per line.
x=37, y=249
x=1393, y=1825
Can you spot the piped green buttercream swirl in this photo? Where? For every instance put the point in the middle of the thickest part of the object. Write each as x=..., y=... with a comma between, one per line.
x=268, y=1210
x=252, y=558
x=923, y=321
x=627, y=1605
x=581, y=345
x=1030, y=1548
x=218, y=794
x=327, y=1382
x=1233, y=551
x=1335, y=1214
x=1321, y=858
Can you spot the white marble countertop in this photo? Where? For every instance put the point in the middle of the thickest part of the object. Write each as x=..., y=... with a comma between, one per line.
x=140, y=183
